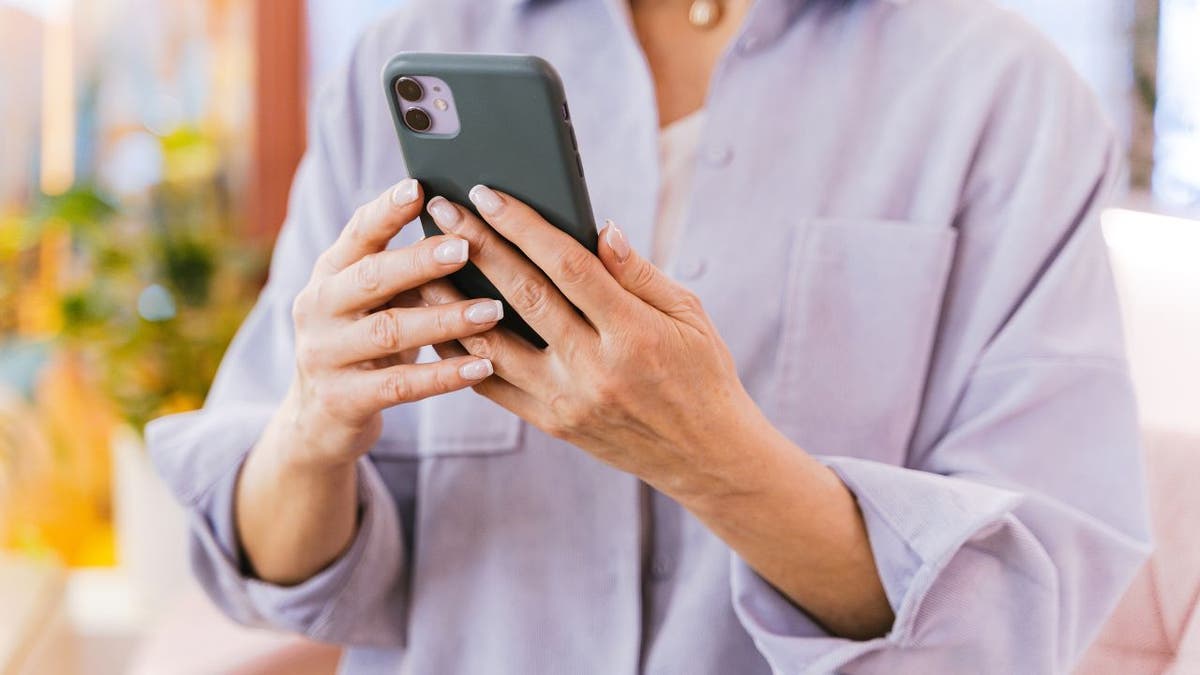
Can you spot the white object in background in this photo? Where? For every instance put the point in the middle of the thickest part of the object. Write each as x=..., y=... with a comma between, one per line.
x=151, y=529
x=1095, y=36
x=1155, y=262
x=35, y=638
x=333, y=27
x=1177, y=120
x=110, y=609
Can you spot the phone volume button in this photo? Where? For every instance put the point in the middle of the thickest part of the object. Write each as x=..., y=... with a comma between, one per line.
x=579, y=163
x=574, y=143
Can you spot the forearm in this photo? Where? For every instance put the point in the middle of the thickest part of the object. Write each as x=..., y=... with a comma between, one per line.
x=793, y=520
x=293, y=520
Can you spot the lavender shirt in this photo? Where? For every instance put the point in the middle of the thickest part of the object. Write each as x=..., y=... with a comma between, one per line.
x=894, y=225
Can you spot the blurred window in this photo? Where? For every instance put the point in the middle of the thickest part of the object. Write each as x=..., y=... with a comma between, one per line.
x=333, y=27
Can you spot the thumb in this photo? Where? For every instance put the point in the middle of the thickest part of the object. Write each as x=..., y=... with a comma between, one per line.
x=637, y=274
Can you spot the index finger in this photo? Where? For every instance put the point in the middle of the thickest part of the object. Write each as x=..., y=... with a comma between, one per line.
x=576, y=271
x=372, y=227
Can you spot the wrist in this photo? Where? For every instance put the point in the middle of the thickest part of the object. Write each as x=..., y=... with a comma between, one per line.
x=301, y=447
x=751, y=462
x=311, y=440
x=724, y=461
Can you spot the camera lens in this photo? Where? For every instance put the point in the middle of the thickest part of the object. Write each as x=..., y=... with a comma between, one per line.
x=409, y=89
x=417, y=119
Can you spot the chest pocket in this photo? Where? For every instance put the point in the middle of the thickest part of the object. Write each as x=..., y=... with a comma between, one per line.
x=458, y=423
x=861, y=308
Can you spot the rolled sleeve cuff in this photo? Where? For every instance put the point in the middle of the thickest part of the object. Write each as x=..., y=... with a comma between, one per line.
x=327, y=606
x=313, y=606
x=916, y=521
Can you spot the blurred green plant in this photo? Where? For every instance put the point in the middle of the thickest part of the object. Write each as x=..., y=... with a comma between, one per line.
x=154, y=286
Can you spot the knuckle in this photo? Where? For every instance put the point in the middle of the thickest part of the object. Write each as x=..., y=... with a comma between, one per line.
x=569, y=416
x=484, y=345
x=643, y=276
x=325, y=262
x=383, y=329
x=395, y=387
x=366, y=272
x=689, y=301
x=605, y=393
x=446, y=378
x=575, y=265
x=446, y=320
x=420, y=261
x=531, y=296
x=437, y=294
x=300, y=306
x=307, y=355
x=479, y=241
x=555, y=427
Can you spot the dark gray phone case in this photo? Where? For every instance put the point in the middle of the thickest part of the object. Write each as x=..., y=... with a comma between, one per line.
x=515, y=136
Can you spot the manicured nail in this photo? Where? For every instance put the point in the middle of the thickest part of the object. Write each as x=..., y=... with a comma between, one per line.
x=485, y=312
x=616, y=241
x=405, y=192
x=476, y=370
x=444, y=213
x=486, y=200
x=451, y=251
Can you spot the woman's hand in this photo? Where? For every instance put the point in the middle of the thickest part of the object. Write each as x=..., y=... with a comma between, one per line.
x=360, y=323
x=638, y=377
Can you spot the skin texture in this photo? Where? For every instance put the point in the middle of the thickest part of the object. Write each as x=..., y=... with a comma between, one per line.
x=681, y=58
x=623, y=382
x=366, y=312
x=359, y=324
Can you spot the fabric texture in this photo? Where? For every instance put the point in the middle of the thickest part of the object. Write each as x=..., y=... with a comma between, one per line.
x=893, y=222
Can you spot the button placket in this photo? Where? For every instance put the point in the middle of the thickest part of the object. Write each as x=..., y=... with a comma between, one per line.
x=690, y=270
x=661, y=569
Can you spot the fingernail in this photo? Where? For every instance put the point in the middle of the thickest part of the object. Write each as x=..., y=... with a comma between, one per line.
x=444, y=213
x=405, y=192
x=451, y=251
x=486, y=200
x=485, y=312
x=616, y=241
x=476, y=370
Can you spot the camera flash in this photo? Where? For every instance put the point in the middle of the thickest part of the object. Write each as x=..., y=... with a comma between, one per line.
x=441, y=104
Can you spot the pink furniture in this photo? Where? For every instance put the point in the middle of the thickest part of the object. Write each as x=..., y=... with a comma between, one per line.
x=196, y=639
x=1156, y=628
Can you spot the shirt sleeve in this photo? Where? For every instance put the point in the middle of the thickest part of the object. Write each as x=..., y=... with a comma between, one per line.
x=1019, y=517
x=359, y=599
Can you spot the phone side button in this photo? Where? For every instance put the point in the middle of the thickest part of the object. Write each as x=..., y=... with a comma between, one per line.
x=574, y=143
x=579, y=163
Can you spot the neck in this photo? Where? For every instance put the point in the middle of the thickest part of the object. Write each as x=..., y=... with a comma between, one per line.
x=682, y=57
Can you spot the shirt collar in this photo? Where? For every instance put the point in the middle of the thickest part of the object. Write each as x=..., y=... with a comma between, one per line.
x=789, y=3
x=767, y=20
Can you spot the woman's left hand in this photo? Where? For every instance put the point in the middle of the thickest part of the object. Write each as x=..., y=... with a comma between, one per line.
x=638, y=376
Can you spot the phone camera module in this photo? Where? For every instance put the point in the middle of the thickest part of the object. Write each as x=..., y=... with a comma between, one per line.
x=418, y=120
x=409, y=89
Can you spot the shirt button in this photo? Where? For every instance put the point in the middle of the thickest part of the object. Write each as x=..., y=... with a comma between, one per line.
x=661, y=569
x=718, y=155
x=749, y=43
x=690, y=270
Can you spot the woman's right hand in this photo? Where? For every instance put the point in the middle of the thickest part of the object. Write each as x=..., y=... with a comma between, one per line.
x=359, y=325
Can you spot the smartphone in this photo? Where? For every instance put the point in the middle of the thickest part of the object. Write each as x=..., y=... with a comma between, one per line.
x=497, y=120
